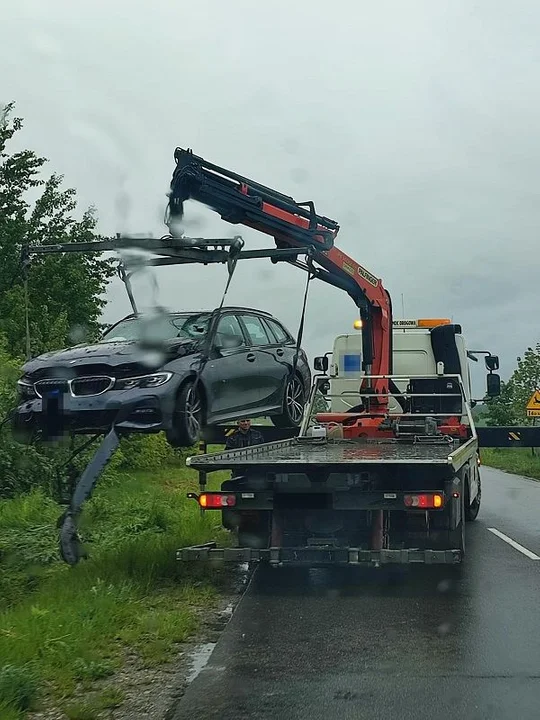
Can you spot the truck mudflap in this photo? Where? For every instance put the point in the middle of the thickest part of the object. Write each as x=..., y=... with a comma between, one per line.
x=318, y=556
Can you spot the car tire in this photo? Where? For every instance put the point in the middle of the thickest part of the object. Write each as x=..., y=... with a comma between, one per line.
x=293, y=404
x=187, y=417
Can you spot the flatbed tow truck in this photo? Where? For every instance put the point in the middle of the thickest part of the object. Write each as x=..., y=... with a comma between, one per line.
x=384, y=469
x=328, y=496
x=378, y=483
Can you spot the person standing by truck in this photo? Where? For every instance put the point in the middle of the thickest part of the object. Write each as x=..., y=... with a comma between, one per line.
x=243, y=436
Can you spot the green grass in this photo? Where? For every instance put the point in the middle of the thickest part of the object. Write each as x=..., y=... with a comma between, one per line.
x=18, y=690
x=9, y=712
x=68, y=627
x=520, y=461
x=90, y=708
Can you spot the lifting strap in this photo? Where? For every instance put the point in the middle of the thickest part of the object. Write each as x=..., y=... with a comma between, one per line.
x=302, y=322
x=125, y=277
x=126, y=269
x=234, y=252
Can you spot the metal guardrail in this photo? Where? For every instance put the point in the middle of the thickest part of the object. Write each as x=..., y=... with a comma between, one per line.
x=512, y=437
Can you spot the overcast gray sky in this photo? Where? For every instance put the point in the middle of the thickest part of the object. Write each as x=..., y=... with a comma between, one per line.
x=413, y=123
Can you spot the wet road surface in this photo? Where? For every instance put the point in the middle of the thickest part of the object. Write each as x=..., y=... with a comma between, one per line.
x=439, y=643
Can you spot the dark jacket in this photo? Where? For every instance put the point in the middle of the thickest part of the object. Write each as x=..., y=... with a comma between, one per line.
x=240, y=439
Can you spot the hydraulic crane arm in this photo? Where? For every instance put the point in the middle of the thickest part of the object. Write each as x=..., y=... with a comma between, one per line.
x=239, y=200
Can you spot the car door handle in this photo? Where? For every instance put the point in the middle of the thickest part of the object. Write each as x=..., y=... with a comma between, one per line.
x=279, y=352
x=250, y=357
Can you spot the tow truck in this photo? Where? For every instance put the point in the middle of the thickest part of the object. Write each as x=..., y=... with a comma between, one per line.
x=340, y=493
x=391, y=477
x=384, y=468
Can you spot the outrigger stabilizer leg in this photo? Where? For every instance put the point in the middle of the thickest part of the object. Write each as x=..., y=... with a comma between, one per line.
x=71, y=548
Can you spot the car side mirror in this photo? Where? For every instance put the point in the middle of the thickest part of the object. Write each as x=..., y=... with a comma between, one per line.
x=492, y=362
x=320, y=364
x=493, y=385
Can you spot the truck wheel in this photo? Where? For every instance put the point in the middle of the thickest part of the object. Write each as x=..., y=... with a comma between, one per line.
x=293, y=405
x=187, y=418
x=472, y=509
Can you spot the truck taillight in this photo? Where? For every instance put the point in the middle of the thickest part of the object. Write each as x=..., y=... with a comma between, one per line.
x=216, y=500
x=424, y=501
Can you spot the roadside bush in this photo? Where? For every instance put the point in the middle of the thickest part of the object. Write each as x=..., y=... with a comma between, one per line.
x=147, y=452
x=21, y=468
x=18, y=688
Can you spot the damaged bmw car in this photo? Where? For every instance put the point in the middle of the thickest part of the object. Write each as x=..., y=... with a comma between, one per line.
x=178, y=371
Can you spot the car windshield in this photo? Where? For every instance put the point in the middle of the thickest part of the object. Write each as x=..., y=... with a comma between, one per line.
x=162, y=328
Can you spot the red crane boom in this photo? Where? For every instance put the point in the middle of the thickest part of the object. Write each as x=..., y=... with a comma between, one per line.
x=239, y=200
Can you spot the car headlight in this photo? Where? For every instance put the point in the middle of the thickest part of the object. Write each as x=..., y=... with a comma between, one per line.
x=26, y=388
x=143, y=381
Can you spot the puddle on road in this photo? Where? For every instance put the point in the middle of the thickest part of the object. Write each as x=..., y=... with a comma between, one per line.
x=199, y=660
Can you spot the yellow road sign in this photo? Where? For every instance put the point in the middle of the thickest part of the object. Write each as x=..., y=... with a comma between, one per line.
x=533, y=406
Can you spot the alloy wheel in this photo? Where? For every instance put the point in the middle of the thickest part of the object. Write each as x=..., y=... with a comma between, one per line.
x=193, y=412
x=295, y=400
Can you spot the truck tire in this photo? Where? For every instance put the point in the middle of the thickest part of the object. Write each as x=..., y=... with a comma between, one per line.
x=472, y=509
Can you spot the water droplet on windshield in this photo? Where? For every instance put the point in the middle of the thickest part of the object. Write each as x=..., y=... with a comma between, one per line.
x=443, y=629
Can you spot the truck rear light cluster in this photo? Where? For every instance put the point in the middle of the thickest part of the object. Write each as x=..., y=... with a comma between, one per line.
x=424, y=501
x=216, y=500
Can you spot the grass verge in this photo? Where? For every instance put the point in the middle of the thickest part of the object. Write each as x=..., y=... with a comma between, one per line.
x=519, y=461
x=62, y=628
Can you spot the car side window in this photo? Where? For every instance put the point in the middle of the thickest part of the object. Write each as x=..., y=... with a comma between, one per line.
x=278, y=331
x=229, y=333
x=256, y=330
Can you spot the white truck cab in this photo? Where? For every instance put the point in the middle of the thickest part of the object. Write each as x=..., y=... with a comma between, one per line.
x=419, y=348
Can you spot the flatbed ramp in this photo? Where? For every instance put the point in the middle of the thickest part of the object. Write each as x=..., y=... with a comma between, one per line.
x=305, y=451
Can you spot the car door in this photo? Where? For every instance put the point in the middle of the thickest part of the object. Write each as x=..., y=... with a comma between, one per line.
x=230, y=375
x=284, y=348
x=271, y=371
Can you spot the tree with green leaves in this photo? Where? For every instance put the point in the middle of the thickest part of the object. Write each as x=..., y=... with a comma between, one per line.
x=510, y=407
x=65, y=291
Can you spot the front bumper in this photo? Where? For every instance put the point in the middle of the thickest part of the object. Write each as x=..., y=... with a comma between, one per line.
x=62, y=413
x=319, y=556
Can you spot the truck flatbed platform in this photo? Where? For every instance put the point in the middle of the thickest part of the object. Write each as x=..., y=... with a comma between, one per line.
x=298, y=453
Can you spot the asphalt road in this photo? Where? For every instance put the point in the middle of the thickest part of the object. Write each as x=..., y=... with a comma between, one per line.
x=328, y=644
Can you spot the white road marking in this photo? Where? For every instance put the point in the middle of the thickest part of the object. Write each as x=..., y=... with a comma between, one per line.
x=514, y=544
